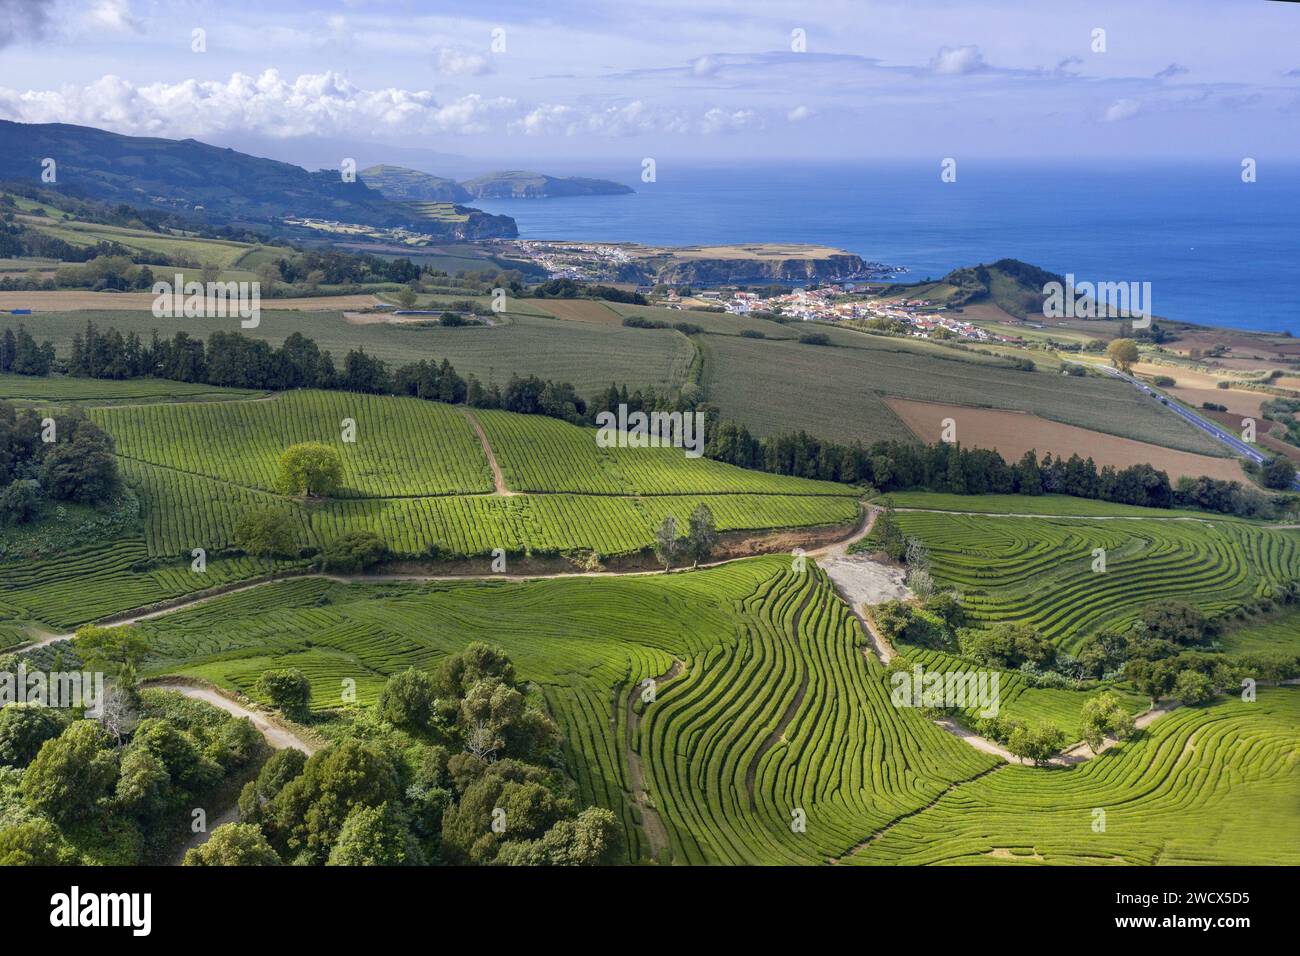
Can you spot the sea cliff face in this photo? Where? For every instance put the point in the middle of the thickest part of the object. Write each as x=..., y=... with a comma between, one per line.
x=750, y=271
x=482, y=225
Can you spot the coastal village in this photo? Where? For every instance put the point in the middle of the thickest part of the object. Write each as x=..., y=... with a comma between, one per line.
x=922, y=318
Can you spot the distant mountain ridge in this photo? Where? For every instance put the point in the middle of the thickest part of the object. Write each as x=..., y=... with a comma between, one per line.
x=210, y=183
x=406, y=185
x=521, y=184
x=411, y=185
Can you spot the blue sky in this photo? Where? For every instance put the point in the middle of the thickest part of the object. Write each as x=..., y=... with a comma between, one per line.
x=705, y=80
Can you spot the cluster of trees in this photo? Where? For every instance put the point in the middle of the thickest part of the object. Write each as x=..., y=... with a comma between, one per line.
x=569, y=289
x=118, y=790
x=901, y=466
x=20, y=354
x=315, y=268
x=697, y=544
x=456, y=767
x=59, y=458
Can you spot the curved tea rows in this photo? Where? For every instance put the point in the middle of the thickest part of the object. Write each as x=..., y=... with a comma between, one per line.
x=1212, y=785
x=1039, y=571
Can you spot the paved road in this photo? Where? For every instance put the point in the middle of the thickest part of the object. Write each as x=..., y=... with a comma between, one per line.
x=1204, y=424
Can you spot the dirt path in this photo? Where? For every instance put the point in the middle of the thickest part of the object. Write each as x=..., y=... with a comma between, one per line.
x=277, y=736
x=652, y=825
x=498, y=482
x=859, y=580
x=183, y=602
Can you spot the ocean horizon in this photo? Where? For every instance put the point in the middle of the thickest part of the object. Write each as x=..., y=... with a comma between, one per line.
x=1216, y=250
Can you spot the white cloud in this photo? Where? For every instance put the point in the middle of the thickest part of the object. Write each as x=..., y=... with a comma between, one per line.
x=454, y=61
x=1121, y=110
x=798, y=114
x=705, y=66
x=313, y=103
x=718, y=120
x=950, y=61
x=112, y=15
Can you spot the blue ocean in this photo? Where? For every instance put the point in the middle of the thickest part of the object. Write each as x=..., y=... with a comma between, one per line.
x=1216, y=250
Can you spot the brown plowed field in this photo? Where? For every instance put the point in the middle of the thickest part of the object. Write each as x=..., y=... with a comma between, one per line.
x=1014, y=433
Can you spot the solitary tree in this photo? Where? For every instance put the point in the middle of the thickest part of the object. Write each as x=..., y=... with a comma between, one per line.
x=309, y=468
x=1123, y=352
x=666, y=544
x=406, y=298
x=117, y=650
x=701, y=533
x=1104, y=717
x=1038, y=743
x=288, y=689
x=265, y=532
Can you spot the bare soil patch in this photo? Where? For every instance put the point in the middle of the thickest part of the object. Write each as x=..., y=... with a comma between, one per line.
x=1014, y=433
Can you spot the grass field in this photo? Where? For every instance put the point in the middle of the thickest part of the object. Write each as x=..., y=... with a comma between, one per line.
x=1038, y=571
x=221, y=252
x=589, y=356
x=97, y=391
x=838, y=392
x=1060, y=505
x=1278, y=633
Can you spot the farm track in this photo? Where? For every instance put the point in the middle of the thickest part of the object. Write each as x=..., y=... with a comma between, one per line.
x=276, y=736
x=498, y=482
x=149, y=612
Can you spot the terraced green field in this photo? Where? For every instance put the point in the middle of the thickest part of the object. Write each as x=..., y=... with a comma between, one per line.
x=403, y=447
x=1213, y=785
x=1039, y=570
x=545, y=454
x=1063, y=506
x=762, y=649
x=184, y=511
x=100, y=580
x=418, y=475
x=764, y=705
